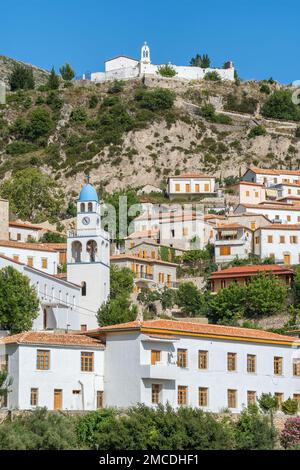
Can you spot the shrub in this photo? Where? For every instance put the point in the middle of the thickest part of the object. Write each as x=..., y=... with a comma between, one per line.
x=158, y=99
x=79, y=115
x=245, y=104
x=40, y=124
x=21, y=78
x=53, y=81
x=264, y=88
x=297, y=132
x=212, y=76
x=253, y=431
x=290, y=435
x=289, y=406
x=19, y=148
x=166, y=71
x=209, y=113
x=280, y=106
x=116, y=87
x=93, y=101
x=256, y=131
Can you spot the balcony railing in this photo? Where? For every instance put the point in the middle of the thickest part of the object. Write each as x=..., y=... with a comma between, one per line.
x=145, y=276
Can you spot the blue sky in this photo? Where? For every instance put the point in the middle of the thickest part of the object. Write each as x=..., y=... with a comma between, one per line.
x=260, y=36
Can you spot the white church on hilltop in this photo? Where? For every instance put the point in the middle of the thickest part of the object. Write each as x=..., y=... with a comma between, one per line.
x=123, y=67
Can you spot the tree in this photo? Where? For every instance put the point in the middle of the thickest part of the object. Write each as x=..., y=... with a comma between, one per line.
x=200, y=61
x=33, y=195
x=296, y=285
x=166, y=70
x=268, y=403
x=53, y=237
x=121, y=281
x=21, y=78
x=67, y=72
x=5, y=384
x=159, y=99
x=53, y=80
x=19, y=304
x=280, y=105
x=253, y=431
x=266, y=295
x=39, y=125
x=189, y=299
x=256, y=131
x=289, y=406
x=227, y=306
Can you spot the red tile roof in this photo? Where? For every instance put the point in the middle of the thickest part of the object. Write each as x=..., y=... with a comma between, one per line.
x=198, y=329
x=278, y=206
x=55, y=339
x=269, y=171
x=15, y=223
x=280, y=227
x=143, y=234
x=34, y=246
x=250, y=270
x=191, y=175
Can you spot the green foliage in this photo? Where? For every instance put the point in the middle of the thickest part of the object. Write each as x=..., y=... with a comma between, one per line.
x=268, y=403
x=264, y=88
x=166, y=71
x=280, y=106
x=159, y=99
x=89, y=426
x=53, y=237
x=18, y=301
x=131, y=205
x=209, y=113
x=93, y=101
x=21, y=78
x=19, y=148
x=5, y=386
x=227, y=306
x=33, y=195
x=256, y=131
x=289, y=407
x=189, y=299
x=253, y=432
x=39, y=124
x=212, y=76
x=200, y=61
x=296, y=285
x=78, y=115
x=118, y=308
x=116, y=87
x=297, y=132
x=67, y=72
x=53, y=80
x=40, y=430
x=244, y=104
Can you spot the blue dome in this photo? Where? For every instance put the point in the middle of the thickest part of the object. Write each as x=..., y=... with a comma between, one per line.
x=88, y=193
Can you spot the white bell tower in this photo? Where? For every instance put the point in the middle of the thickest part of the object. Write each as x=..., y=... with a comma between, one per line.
x=88, y=257
x=145, y=54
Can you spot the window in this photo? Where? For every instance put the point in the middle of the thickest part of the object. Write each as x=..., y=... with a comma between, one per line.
x=288, y=218
x=247, y=193
x=18, y=237
x=202, y=359
x=155, y=357
x=197, y=188
x=206, y=188
x=278, y=365
x=256, y=240
x=279, y=398
x=282, y=239
x=293, y=239
x=296, y=367
x=99, y=403
x=251, y=363
x=185, y=231
x=182, y=395
x=30, y=261
x=231, y=398
x=45, y=319
x=83, y=289
x=225, y=250
x=87, y=361
x=34, y=396
x=177, y=188
x=43, y=359
x=251, y=397
x=83, y=328
x=253, y=225
x=187, y=188
x=256, y=194
x=44, y=263
x=203, y=396
x=76, y=392
x=231, y=362
x=155, y=394
x=289, y=191
x=182, y=358
x=270, y=238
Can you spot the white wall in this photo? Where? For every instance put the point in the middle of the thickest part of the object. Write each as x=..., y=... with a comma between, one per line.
x=264, y=249
x=24, y=233
x=37, y=255
x=275, y=215
x=192, y=182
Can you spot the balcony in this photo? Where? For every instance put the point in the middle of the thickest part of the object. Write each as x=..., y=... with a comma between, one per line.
x=234, y=241
x=145, y=276
x=161, y=371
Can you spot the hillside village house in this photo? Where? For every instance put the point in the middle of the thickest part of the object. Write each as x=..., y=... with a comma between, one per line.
x=148, y=248
x=24, y=232
x=243, y=274
x=232, y=241
x=288, y=189
x=149, y=272
x=123, y=67
x=160, y=361
x=249, y=193
x=271, y=177
x=279, y=242
x=191, y=184
x=276, y=212
x=248, y=219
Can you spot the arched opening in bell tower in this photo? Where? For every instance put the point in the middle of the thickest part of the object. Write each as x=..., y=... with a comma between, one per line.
x=91, y=248
x=76, y=251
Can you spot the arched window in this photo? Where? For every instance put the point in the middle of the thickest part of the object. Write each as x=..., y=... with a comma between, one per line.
x=91, y=248
x=82, y=207
x=90, y=207
x=76, y=251
x=83, y=289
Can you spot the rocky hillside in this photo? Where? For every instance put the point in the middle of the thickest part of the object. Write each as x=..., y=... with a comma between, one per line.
x=7, y=65
x=129, y=134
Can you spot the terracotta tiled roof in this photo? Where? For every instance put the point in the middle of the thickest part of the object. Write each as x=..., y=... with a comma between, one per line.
x=280, y=227
x=15, y=223
x=33, y=246
x=44, y=338
x=191, y=175
x=248, y=183
x=143, y=234
x=268, y=171
x=250, y=270
x=213, y=216
x=278, y=206
x=199, y=329
x=140, y=259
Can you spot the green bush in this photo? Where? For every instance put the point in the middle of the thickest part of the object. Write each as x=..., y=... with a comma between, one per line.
x=19, y=148
x=264, y=88
x=93, y=101
x=297, y=132
x=78, y=115
x=67, y=72
x=116, y=87
x=280, y=106
x=212, y=76
x=256, y=131
x=158, y=99
x=289, y=406
x=21, y=78
x=253, y=432
x=166, y=71
x=245, y=104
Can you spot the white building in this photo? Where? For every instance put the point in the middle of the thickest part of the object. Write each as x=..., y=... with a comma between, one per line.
x=191, y=184
x=249, y=193
x=123, y=67
x=56, y=371
x=151, y=362
x=271, y=177
x=24, y=232
x=279, y=242
x=276, y=212
x=233, y=241
x=88, y=255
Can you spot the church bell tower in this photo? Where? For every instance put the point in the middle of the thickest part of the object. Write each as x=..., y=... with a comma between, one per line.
x=88, y=257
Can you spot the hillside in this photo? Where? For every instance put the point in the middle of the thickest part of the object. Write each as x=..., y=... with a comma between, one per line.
x=125, y=137
x=7, y=65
